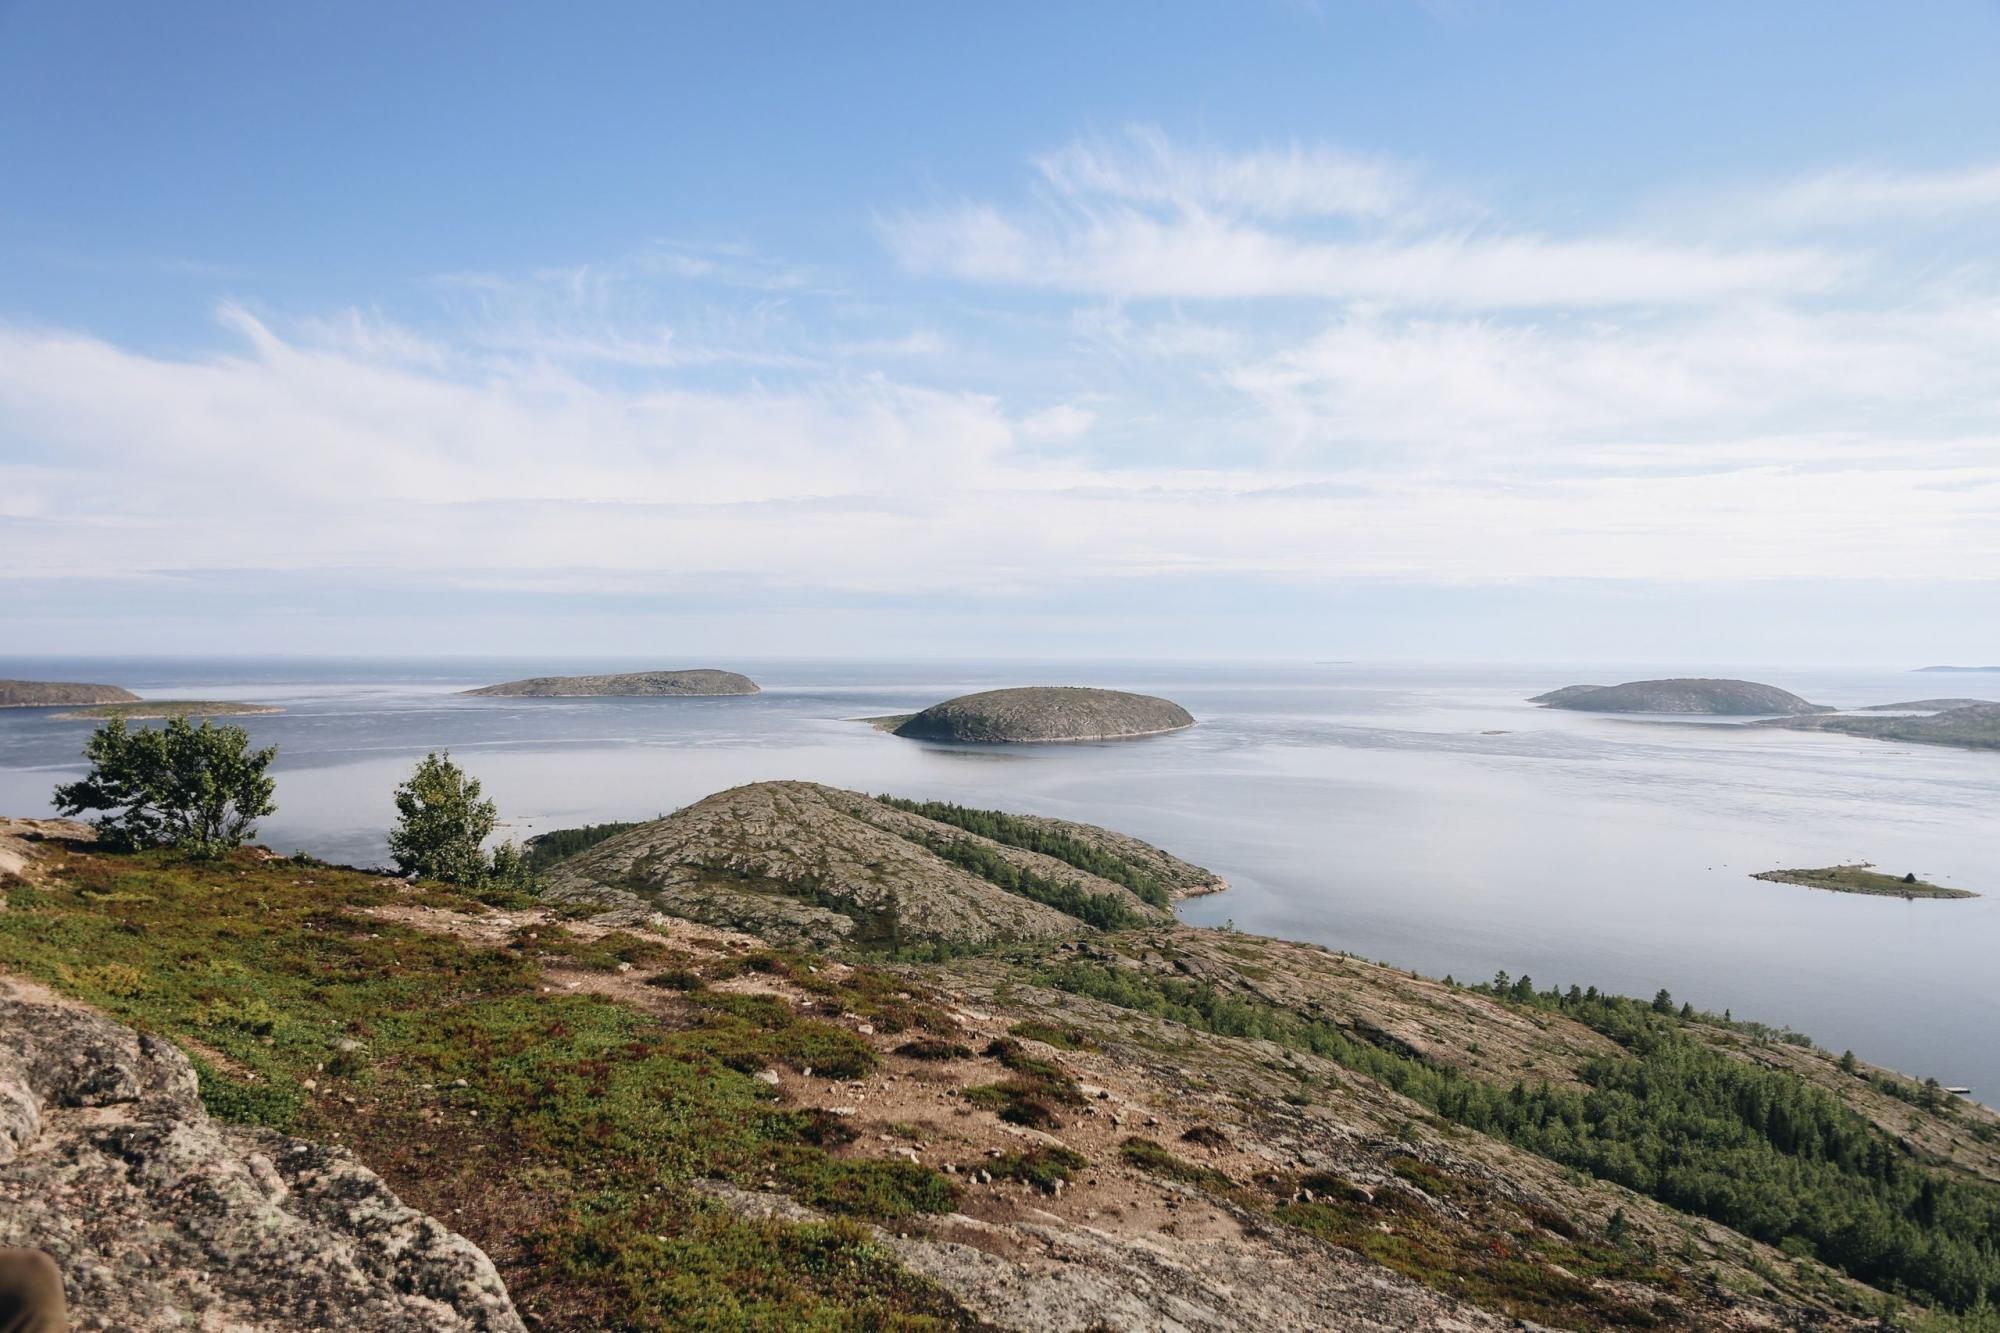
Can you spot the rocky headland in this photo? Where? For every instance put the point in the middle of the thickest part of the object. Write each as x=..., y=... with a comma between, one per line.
x=1718, y=698
x=811, y=864
x=166, y=708
x=631, y=684
x=59, y=694
x=1045, y=713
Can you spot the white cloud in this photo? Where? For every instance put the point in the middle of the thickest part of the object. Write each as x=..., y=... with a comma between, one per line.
x=1153, y=221
x=1147, y=167
x=310, y=458
x=1064, y=421
x=1857, y=196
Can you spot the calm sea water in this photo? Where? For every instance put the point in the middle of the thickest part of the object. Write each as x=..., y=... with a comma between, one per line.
x=1425, y=816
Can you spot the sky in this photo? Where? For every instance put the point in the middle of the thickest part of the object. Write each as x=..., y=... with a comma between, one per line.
x=1393, y=331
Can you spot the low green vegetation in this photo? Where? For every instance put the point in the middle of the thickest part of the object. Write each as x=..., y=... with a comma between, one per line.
x=1062, y=1036
x=1153, y=1159
x=1046, y=1167
x=1762, y=1150
x=1031, y=1094
x=545, y=849
x=1034, y=836
x=1863, y=878
x=435, y=1059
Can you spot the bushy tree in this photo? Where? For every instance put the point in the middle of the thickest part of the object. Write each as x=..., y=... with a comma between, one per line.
x=199, y=789
x=442, y=825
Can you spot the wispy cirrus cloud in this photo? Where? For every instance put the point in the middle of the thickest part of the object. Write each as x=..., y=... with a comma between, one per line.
x=1142, y=218
x=1863, y=195
x=1145, y=166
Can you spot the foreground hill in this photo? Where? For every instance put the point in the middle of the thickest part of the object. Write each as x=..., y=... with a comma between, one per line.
x=59, y=694
x=650, y=1123
x=1679, y=695
x=804, y=863
x=632, y=684
x=1974, y=726
x=1041, y=713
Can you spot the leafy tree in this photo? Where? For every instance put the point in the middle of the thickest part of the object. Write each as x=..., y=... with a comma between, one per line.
x=199, y=789
x=442, y=825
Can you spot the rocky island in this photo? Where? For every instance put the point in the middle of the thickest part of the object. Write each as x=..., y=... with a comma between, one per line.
x=1716, y=698
x=1042, y=713
x=631, y=684
x=1863, y=878
x=166, y=708
x=59, y=694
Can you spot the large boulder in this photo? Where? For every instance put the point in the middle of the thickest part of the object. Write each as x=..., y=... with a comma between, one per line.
x=162, y=1219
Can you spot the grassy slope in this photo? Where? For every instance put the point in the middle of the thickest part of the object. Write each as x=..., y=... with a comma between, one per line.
x=438, y=1061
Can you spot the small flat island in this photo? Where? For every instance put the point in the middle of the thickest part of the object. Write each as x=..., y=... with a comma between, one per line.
x=1971, y=726
x=1863, y=878
x=1689, y=695
x=1041, y=714
x=168, y=708
x=60, y=694
x=631, y=684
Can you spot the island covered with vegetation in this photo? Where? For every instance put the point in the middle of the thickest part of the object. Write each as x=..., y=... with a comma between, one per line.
x=630, y=684
x=60, y=694
x=1688, y=695
x=1043, y=713
x=1863, y=878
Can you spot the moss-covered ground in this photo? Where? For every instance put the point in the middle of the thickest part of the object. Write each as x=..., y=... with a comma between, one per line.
x=566, y=1134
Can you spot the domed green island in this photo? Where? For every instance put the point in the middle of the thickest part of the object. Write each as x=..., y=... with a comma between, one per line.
x=1041, y=714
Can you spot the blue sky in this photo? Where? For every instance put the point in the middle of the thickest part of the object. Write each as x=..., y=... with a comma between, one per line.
x=1436, y=330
